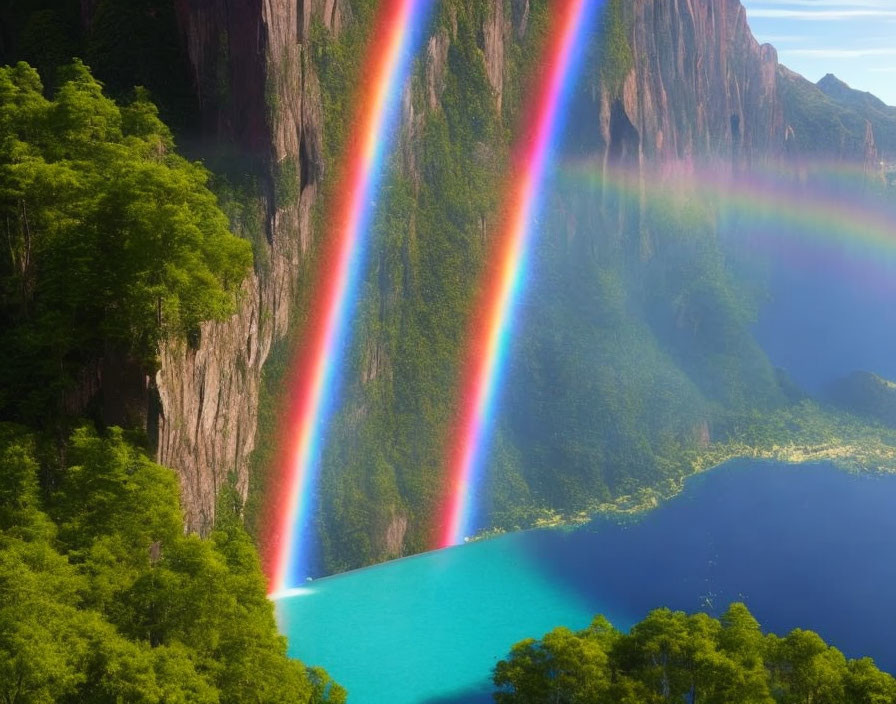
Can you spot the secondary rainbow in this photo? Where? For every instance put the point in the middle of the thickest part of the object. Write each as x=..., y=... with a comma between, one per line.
x=315, y=372
x=834, y=220
x=492, y=324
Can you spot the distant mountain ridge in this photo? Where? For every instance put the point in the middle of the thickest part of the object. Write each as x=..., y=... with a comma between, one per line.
x=841, y=126
x=866, y=106
x=841, y=92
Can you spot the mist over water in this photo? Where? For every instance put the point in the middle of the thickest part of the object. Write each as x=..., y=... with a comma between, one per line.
x=820, y=327
x=825, y=292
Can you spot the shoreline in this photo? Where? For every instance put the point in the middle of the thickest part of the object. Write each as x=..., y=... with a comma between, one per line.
x=847, y=457
x=821, y=435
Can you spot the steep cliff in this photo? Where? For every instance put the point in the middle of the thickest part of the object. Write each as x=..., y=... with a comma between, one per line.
x=260, y=98
x=431, y=237
x=653, y=366
x=700, y=87
x=688, y=82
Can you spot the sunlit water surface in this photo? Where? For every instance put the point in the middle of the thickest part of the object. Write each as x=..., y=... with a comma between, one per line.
x=807, y=546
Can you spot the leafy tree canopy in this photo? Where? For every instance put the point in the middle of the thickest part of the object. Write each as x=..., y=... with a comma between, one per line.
x=104, y=599
x=675, y=657
x=112, y=241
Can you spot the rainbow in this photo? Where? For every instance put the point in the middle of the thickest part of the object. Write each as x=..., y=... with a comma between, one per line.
x=831, y=219
x=316, y=368
x=491, y=326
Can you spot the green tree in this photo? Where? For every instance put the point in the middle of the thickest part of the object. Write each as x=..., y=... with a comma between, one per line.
x=113, y=603
x=112, y=240
x=40, y=639
x=655, y=653
x=563, y=668
x=671, y=656
x=865, y=684
x=810, y=671
x=742, y=640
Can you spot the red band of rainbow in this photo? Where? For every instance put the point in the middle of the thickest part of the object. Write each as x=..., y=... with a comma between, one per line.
x=314, y=380
x=491, y=327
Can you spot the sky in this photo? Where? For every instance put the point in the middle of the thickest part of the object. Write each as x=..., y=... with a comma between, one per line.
x=853, y=39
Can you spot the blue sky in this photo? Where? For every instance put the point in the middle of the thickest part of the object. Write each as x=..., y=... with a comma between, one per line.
x=853, y=39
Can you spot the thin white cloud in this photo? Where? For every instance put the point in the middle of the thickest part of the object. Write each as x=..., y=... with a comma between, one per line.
x=820, y=15
x=839, y=53
x=883, y=69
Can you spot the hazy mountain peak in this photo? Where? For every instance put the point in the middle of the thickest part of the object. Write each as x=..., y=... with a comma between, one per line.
x=840, y=91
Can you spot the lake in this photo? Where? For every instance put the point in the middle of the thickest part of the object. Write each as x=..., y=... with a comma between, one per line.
x=804, y=546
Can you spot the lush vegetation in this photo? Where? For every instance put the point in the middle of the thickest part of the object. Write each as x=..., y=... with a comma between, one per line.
x=616, y=58
x=113, y=241
x=676, y=657
x=626, y=361
x=103, y=598
x=636, y=366
x=429, y=245
x=600, y=405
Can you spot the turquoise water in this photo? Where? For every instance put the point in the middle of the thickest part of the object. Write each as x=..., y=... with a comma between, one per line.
x=807, y=546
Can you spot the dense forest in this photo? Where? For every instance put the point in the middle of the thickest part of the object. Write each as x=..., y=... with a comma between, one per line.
x=114, y=242
x=676, y=657
x=106, y=599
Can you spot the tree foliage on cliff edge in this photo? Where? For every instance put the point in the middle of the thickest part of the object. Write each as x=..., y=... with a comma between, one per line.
x=674, y=657
x=112, y=241
x=103, y=598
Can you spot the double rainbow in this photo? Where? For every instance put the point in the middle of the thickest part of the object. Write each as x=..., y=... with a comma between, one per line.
x=316, y=370
x=491, y=327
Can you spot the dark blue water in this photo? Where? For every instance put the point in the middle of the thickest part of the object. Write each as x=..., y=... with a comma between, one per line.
x=803, y=546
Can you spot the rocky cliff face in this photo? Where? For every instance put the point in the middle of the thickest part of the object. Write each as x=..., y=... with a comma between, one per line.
x=259, y=95
x=702, y=87
x=699, y=87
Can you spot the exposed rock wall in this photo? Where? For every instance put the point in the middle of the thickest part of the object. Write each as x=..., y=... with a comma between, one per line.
x=392, y=529
x=701, y=86
x=259, y=95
